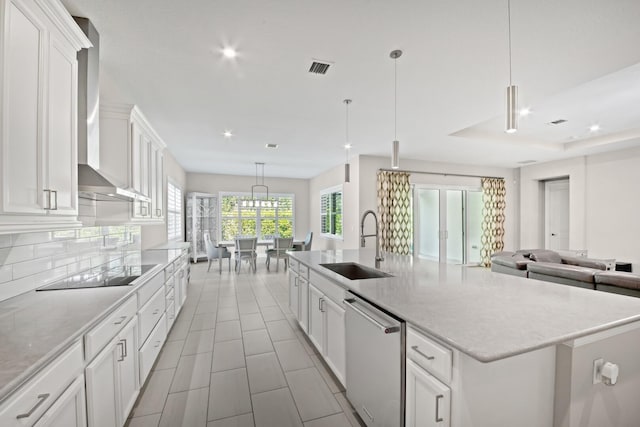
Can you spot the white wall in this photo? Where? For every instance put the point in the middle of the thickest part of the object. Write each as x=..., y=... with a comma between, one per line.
x=154, y=235
x=361, y=194
x=350, y=207
x=214, y=183
x=603, y=206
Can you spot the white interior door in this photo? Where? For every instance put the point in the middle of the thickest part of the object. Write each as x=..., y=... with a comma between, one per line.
x=557, y=214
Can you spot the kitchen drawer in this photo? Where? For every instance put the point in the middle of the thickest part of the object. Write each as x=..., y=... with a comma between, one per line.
x=146, y=291
x=294, y=265
x=168, y=270
x=150, y=350
x=27, y=404
x=149, y=315
x=171, y=315
x=430, y=355
x=327, y=287
x=100, y=336
x=170, y=297
x=303, y=271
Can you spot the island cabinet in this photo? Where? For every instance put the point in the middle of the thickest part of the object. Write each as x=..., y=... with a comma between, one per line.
x=131, y=156
x=55, y=397
x=326, y=328
x=445, y=387
x=38, y=143
x=112, y=375
x=299, y=292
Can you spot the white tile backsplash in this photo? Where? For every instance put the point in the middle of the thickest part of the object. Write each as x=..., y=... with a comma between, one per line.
x=31, y=260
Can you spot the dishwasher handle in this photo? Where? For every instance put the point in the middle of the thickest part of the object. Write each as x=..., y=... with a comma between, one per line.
x=386, y=329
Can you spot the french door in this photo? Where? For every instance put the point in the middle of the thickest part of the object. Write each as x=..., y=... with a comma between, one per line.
x=448, y=224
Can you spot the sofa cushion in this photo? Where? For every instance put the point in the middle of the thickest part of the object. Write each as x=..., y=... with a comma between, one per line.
x=584, y=262
x=543, y=255
x=513, y=261
x=619, y=278
x=502, y=253
x=572, y=272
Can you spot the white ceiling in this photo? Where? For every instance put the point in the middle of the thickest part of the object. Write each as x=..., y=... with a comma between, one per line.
x=572, y=59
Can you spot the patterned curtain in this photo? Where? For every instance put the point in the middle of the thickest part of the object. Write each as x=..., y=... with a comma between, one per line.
x=394, y=212
x=493, y=199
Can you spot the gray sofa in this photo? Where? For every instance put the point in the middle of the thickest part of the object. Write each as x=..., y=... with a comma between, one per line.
x=550, y=266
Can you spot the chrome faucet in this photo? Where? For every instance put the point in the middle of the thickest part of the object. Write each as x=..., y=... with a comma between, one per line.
x=377, y=235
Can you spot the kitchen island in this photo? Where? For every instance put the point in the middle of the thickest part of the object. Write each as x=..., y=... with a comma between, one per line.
x=499, y=327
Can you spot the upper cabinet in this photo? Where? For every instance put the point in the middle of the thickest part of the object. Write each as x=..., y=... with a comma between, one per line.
x=38, y=118
x=131, y=155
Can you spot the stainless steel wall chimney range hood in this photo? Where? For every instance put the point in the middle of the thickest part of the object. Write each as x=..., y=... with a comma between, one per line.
x=92, y=184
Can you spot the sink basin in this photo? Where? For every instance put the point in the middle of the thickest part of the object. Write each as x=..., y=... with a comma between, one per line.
x=354, y=271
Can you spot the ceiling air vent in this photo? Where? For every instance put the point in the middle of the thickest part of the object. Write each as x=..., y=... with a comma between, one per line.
x=557, y=122
x=527, y=162
x=271, y=145
x=318, y=67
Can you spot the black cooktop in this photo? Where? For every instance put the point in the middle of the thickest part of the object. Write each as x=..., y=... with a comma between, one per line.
x=119, y=276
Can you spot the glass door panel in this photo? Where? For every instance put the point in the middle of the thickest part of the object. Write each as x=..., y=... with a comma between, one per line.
x=454, y=233
x=428, y=224
x=474, y=226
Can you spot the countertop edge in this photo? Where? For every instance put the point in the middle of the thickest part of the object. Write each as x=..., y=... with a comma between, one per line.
x=11, y=387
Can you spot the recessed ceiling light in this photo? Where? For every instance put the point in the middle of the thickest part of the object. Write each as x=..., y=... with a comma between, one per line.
x=511, y=130
x=347, y=146
x=274, y=146
x=525, y=112
x=594, y=128
x=227, y=134
x=229, y=52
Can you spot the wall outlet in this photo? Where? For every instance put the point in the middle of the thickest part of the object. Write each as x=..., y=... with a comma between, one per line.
x=597, y=370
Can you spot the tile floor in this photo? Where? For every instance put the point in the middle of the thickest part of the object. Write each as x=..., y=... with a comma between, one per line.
x=236, y=357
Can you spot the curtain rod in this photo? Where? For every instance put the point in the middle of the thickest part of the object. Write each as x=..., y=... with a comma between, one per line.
x=440, y=173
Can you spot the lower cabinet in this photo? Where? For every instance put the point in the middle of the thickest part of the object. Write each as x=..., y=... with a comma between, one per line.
x=294, y=294
x=428, y=401
x=112, y=380
x=327, y=330
x=69, y=410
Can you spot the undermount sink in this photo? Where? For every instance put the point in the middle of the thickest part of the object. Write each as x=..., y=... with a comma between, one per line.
x=354, y=271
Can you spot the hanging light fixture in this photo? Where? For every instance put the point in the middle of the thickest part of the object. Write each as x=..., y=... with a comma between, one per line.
x=347, y=144
x=259, y=185
x=395, y=147
x=512, y=90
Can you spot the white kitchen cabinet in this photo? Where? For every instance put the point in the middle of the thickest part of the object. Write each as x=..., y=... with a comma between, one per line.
x=327, y=329
x=39, y=76
x=294, y=294
x=39, y=394
x=334, y=346
x=428, y=401
x=157, y=182
x=112, y=380
x=70, y=410
x=316, y=318
x=131, y=155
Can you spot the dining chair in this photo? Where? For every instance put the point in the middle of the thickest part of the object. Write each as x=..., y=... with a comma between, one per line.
x=306, y=244
x=214, y=252
x=281, y=246
x=246, y=249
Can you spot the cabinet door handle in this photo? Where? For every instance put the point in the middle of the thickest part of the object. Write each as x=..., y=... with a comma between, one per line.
x=438, y=397
x=295, y=282
x=55, y=198
x=41, y=399
x=121, y=346
x=126, y=352
x=319, y=304
x=158, y=212
x=122, y=319
x=415, y=348
x=367, y=412
x=156, y=311
x=157, y=344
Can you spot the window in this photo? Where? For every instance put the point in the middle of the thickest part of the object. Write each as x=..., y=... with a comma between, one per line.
x=331, y=212
x=240, y=215
x=174, y=212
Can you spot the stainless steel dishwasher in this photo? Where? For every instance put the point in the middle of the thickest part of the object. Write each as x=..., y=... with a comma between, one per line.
x=375, y=363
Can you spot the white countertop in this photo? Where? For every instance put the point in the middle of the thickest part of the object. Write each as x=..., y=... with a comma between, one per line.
x=489, y=316
x=35, y=327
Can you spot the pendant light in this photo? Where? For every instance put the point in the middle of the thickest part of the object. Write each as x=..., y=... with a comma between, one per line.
x=347, y=144
x=512, y=90
x=259, y=185
x=395, y=147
